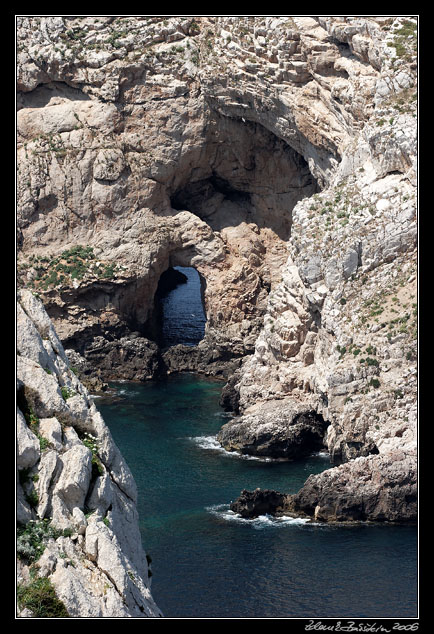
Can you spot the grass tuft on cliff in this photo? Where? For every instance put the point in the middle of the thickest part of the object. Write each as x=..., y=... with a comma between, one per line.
x=40, y=598
x=33, y=537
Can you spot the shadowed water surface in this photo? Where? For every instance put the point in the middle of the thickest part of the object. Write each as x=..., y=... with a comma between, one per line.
x=183, y=314
x=206, y=561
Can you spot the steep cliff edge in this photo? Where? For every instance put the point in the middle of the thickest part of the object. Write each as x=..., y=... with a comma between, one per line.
x=78, y=532
x=278, y=157
x=340, y=330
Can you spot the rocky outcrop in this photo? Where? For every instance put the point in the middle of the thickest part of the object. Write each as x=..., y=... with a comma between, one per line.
x=278, y=429
x=251, y=504
x=76, y=498
x=375, y=488
x=129, y=358
x=276, y=155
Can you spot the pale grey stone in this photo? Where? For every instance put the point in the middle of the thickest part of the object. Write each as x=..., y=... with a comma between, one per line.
x=51, y=429
x=74, y=479
x=48, y=467
x=311, y=271
x=42, y=390
x=70, y=437
x=102, y=495
x=109, y=165
x=34, y=307
x=79, y=520
x=29, y=342
x=350, y=263
x=333, y=273
x=23, y=511
x=28, y=448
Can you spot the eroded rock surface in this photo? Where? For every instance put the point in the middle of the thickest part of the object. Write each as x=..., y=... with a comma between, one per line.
x=75, y=490
x=376, y=488
x=277, y=156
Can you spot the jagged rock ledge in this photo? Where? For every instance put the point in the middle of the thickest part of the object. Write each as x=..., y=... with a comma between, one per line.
x=136, y=358
x=76, y=497
x=373, y=488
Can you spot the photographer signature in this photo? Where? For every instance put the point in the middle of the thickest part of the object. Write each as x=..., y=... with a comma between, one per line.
x=352, y=626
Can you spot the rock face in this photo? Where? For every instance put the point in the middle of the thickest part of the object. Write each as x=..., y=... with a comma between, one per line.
x=76, y=497
x=277, y=156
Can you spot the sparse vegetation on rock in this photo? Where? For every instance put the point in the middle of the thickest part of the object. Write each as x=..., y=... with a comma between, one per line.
x=278, y=156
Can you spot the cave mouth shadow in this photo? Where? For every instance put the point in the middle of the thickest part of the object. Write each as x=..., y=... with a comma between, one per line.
x=246, y=174
x=178, y=315
x=222, y=204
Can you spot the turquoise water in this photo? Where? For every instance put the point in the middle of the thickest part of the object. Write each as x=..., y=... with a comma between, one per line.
x=206, y=562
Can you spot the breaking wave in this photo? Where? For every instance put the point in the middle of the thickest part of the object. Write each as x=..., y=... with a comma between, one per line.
x=263, y=521
x=211, y=443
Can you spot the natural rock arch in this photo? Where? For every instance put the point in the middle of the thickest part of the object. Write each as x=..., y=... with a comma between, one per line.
x=184, y=154
x=151, y=157
x=180, y=291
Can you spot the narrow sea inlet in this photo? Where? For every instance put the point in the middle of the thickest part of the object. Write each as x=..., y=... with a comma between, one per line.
x=207, y=562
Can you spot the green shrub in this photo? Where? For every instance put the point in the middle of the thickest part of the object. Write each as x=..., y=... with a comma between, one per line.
x=342, y=350
x=32, y=498
x=40, y=598
x=33, y=422
x=43, y=442
x=91, y=443
x=370, y=361
x=32, y=539
x=66, y=393
x=109, y=271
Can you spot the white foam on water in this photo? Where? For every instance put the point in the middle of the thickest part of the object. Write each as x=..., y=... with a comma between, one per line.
x=263, y=521
x=224, y=415
x=321, y=454
x=211, y=443
x=130, y=393
x=207, y=442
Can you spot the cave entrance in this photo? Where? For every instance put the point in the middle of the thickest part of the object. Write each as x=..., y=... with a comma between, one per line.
x=179, y=316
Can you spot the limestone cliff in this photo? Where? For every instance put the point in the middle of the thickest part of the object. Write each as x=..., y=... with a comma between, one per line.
x=276, y=155
x=76, y=498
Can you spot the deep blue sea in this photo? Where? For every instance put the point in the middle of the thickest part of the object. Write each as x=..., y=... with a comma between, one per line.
x=206, y=561
x=183, y=314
